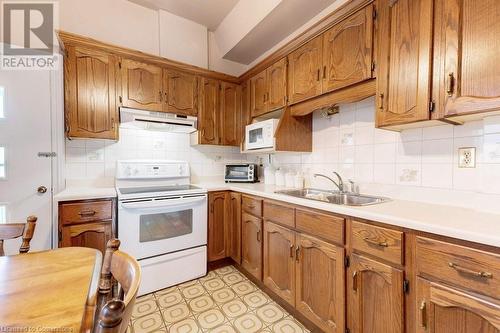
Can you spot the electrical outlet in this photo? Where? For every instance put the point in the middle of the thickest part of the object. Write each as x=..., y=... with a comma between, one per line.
x=467, y=157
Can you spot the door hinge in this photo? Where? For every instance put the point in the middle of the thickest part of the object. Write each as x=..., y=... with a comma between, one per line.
x=432, y=106
x=46, y=154
x=406, y=286
x=347, y=261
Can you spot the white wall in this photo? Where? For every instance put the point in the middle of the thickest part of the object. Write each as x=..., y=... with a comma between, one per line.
x=183, y=40
x=117, y=22
x=416, y=164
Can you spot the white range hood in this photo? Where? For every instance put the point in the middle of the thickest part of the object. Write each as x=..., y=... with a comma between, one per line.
x=156, y=121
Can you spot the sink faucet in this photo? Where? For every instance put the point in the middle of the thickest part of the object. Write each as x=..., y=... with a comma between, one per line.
x=339, y=184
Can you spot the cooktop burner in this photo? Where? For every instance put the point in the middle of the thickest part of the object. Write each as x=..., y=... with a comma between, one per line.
x=155, y=189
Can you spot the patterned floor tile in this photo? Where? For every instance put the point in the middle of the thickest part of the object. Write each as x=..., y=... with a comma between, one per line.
x=144, y=307
x=224, y=301
x=188, y=325
x=211, y=319
x=149, y=323
x=176, y=313
x=201, y=304
x=248, y=323
x=169, y=299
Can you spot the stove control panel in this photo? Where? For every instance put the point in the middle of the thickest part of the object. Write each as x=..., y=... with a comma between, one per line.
x=151, y=169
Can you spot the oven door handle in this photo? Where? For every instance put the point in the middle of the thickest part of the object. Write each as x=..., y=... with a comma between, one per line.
x=155, y=204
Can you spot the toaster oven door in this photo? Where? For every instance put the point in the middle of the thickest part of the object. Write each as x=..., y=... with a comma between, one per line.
x=238, y=173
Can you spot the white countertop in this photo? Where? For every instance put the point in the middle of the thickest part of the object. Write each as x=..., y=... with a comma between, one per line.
x=451, y=221
x=85, y=193
x=461, y=223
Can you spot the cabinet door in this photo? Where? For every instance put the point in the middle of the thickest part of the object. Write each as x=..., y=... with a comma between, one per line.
x=233, y=238
x=347, y=51
x=181, y=93
x=466, y=42
x=404, y=61
x=320, y=294
x=375, y=294
x=94, y=235
x=209, y=114
x=258, y=94
x=276, y=85
x=91, y=94
x=251, y=244
x=442, y=309
x=141, y=85
x=216, y=226
x=304, y=67
x=230, y=114
x=279, y=263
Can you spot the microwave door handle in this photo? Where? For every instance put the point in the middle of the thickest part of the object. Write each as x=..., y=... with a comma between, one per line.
x=155, y=204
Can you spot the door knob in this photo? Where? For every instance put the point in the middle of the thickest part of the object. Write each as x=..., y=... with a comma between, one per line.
x=41, y=189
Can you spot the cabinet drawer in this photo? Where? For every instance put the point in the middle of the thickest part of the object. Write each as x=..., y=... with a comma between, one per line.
x=459, y=265
x=252, y=205
x=81, y=212
x=279, y=213
x=387, y=244
x=328, y=227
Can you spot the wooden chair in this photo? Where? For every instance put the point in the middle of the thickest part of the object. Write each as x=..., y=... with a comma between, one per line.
x=15, y=230
x=115, y=304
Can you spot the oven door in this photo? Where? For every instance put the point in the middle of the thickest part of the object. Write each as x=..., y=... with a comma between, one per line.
x=151, y=227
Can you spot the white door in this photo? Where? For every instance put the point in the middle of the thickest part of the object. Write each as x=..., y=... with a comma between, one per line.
x=25, y=130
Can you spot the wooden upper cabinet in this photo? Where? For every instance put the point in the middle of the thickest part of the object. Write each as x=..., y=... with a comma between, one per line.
x=348, y=51
x=375, y=295
x=208, y=117
x=180, y=93
x=246, y=117
x=404, y=61
x=443, y=309
x=467, y=71
x=320, y=279
x=251, y=244
x=91, y=83
x=230, y=114
x=141, y=85
x=276, y=85
x=304, y=71
x=233, y=235
x=258, y=94
x=279, y=261
x=216, y=226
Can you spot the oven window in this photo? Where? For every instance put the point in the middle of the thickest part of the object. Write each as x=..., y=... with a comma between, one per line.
x=165, y=225
x=255, y=135
x=234, y=172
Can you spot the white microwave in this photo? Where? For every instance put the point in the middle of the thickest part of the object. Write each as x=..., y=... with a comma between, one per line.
x=260, y=135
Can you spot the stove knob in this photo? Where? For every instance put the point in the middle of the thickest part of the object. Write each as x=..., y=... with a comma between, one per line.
x=136, y=171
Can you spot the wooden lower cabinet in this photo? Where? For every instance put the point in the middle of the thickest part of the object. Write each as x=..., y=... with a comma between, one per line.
x=233, y=236
x=442, y=309
x=320, y=294
x=94, y=235
x=217, y=225
x=279, y=262
x=251, y=244
x=375, y=297
x=87, y=223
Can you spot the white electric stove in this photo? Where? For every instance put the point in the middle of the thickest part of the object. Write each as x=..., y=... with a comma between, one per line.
x=162, y=221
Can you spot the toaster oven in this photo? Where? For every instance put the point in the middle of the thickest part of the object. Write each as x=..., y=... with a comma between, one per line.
x=241, y=173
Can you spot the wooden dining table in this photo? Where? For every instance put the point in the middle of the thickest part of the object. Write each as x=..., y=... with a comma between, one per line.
x=49, y=291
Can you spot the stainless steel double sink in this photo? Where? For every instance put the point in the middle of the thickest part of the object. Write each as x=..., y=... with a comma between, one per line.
x=337, y=198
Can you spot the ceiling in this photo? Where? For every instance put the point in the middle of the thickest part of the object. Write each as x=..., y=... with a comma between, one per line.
x=209, y=13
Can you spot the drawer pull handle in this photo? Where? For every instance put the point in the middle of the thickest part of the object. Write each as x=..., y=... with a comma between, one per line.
x=291, y=251
x=464, y=270
x=423, y=315
x=376, y=242
x=258, y=236
x=355, y=281
x=251, y=206
x=87, y=213
x=297, y=253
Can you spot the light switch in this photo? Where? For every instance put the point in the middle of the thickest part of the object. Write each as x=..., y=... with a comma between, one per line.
x=467, y=157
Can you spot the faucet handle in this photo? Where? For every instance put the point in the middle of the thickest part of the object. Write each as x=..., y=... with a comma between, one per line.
x=352, y=186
